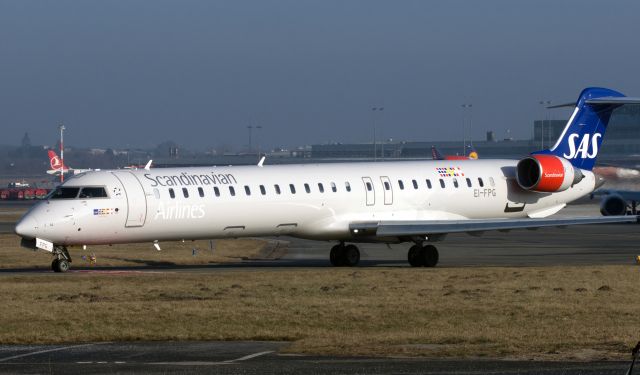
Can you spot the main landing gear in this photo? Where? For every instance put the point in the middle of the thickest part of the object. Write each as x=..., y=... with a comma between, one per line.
x=62, y=260
x=423, y=256
x=342, y=255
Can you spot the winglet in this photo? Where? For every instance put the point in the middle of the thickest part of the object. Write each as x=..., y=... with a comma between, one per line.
x=148, y=165
x=261, y=162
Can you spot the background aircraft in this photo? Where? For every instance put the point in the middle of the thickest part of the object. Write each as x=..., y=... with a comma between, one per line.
x=58, y=167
x=470, y=154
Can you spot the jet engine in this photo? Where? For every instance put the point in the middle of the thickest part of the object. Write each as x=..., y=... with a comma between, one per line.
x=613, y=204
x=547, y=173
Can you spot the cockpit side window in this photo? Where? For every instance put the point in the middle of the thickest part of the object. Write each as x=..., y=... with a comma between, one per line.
x=65, y=193
x=92, y=192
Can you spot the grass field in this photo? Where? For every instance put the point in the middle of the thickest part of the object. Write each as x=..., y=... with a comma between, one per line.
x=539, y=313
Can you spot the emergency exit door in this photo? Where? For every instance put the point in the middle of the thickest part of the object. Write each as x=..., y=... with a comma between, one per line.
x=369, y=190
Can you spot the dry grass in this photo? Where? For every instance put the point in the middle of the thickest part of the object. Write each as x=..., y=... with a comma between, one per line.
x=173, y=253
x=542, y=313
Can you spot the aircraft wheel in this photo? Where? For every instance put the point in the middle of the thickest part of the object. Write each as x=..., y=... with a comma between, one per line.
x=414, y=256
x=350, y=256
x=336, y=255
x=430, y=256
x=61, y=265
x=54, y=265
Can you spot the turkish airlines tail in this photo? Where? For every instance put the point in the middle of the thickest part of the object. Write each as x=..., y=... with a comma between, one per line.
x=55, y=162
x=582, y=136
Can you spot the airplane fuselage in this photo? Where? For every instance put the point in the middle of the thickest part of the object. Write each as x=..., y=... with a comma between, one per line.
x=314, y=201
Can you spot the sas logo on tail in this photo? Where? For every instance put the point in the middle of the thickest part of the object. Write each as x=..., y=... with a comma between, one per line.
x=588, y=142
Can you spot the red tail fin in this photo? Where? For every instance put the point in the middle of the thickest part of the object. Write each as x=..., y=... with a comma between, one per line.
x=55, y=162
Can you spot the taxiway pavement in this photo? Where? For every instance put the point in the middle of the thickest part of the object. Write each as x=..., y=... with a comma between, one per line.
x=254, y=358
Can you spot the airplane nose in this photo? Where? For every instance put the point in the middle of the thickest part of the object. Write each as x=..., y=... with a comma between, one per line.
x=27, y=227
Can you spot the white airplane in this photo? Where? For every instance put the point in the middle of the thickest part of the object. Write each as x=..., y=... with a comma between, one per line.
x=387, y=202
x=58, y=167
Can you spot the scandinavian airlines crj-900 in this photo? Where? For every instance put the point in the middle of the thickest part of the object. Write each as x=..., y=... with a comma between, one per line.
x=390, y=202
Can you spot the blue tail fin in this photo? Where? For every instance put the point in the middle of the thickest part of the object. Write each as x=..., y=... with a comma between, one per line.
x=582, y=136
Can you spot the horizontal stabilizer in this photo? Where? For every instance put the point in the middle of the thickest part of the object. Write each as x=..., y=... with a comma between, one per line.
x=431, y=227
x=605, y=100
x=613, y=100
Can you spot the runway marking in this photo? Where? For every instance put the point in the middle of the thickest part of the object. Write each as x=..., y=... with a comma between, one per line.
x=246, y=357
x=203, y=363
x=44, y=351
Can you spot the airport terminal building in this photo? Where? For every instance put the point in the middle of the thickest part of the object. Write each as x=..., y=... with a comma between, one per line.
x=622, y=142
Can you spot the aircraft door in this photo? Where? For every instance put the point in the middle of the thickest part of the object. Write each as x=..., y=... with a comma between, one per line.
x=369, y=190
x=387, y=188
x=136, y=199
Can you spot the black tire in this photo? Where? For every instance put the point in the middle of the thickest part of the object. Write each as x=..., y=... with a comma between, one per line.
x=350, y=256
x=336, y=255
x=54, y=265
x=430, y=256
x=63, y=265
x=415, y=256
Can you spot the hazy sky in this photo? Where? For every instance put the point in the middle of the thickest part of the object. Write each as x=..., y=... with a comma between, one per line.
x=136, y=73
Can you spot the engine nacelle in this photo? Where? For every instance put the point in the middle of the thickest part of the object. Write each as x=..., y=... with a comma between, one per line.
x=612, y=205
x=547, y=173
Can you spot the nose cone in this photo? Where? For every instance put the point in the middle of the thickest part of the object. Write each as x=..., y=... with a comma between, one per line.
x=27, y=227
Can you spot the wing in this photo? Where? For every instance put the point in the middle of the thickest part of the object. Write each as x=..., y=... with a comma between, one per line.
x=438, y=227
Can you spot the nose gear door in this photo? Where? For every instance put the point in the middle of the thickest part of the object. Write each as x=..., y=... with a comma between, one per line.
x=136, y=199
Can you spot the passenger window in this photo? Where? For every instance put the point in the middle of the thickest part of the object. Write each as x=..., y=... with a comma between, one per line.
x=442, y=183
x=172, y=194
x=493, y=184
x=455, y=182
x=415, y=184
x=429, y=183
x=369, y=187
x=480, y=182
x=232, y=191
x=277, y=187
x=320, y=187
x=401, y=184
x=347, y=185
x=216, y=191
x=333, y=187
x=292, y=188
x=468, y=182
x=307, y=188
x=263, y=191
x=156, y=193
x=201, y=192
x=386, y=186
x=185, y=192
x=247, y=190
x=93, y=192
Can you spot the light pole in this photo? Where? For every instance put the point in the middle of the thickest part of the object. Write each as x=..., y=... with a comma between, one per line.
x=466, y=107
x=543, y=104
x=61, y=128
x=258, y=128
x=250, y=129
x=375, y=151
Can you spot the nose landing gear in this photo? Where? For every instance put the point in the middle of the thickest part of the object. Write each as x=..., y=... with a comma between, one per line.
x=62, y=260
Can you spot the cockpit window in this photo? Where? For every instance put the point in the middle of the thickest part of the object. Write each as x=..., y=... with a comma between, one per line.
x=92, y=192
x=65, y=193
